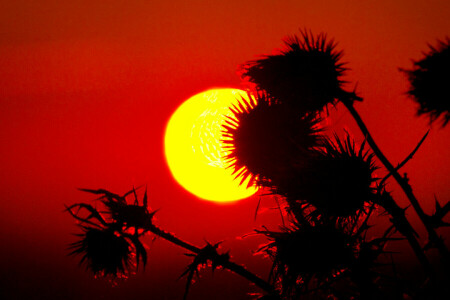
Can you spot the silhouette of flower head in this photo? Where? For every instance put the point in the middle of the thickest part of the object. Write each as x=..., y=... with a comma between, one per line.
x=264, y=138
x=429, y=79
x=305, y=252
x=338, y=180
x=306, y=74
x=104, y=251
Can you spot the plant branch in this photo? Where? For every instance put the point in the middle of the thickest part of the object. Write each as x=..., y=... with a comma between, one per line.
x=403, y=226
x=238, y=269
x=432, y=235
x=400, y=165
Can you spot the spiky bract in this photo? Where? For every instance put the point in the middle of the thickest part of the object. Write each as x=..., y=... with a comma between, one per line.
x=104, y=251
x=430, y=81
x=264, y=138
x=337, y=180
x=307, y=74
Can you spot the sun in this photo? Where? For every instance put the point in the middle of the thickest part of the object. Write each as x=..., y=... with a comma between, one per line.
x=193, y=147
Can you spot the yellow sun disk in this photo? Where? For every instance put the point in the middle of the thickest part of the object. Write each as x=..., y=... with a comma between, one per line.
x=193, y=148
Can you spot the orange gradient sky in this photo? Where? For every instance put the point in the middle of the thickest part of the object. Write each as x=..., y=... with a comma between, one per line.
x=87, y=89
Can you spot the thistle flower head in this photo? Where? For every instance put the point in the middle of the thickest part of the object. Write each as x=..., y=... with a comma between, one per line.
x=304, y=252
x=338, y=180
x=307, y=74
x=103, y=251
x=430, y=80
x=264, y=138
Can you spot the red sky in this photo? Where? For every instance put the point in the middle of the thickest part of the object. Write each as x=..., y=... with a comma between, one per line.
x=87, y=88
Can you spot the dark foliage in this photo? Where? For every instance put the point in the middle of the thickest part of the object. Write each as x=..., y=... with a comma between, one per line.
x=430, y=81
x=265, y=139
x=306, y=74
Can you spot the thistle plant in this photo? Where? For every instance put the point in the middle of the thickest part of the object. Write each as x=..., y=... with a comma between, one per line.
x=308, y=45
x=328, y=184
x=111, y=238
x=334, y=179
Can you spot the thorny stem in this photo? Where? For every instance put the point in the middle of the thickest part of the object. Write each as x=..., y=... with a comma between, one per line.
x=432, y=235
x=238, y=269
x=402, y=224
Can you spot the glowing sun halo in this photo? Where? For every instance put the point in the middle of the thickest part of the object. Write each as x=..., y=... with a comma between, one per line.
x=193, y=148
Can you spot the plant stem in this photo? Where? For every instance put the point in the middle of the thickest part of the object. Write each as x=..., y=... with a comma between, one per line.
x=410, y=156
x=402, y=224
x=238, y=269
x=432, y=235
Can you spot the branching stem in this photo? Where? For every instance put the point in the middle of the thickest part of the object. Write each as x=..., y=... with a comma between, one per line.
x=236, y=268
x=432, y=235
x=410, y=156
x=402, y=224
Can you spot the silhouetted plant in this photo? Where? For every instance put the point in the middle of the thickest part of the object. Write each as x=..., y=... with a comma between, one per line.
x=430, y=79
x=328, y=185
x=305, y=251
x=106, y=244
x=112, y=237
x=319, y=254
x=287, y=61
